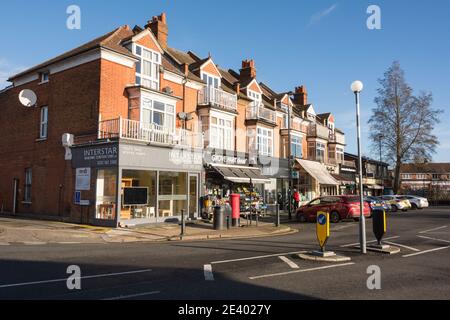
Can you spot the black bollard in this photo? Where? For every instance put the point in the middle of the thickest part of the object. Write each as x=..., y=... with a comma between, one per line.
x=183, y=226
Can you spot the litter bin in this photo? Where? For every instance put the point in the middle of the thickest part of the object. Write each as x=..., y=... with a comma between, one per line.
x=222, y=217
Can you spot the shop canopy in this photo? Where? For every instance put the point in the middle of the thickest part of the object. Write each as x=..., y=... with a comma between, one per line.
x=318, y=172
x=342, y=180
x=375, y=187
x=240, y=174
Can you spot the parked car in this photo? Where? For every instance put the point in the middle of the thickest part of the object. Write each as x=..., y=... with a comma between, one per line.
x=396, y=202
x=376, y=203
x=417, y=202
x=339, y=207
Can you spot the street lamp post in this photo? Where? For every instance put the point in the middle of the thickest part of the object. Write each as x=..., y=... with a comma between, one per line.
x=380, y=137
x=357, y=87
x=289, y=164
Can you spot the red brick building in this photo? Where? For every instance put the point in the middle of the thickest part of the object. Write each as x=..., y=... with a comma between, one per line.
x=153, y=130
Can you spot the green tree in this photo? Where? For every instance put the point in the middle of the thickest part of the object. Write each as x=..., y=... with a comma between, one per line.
x=403, y=121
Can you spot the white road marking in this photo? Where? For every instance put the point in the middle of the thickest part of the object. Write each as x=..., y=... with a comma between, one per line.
x=289, y=262
x=302, y=270
x=65, y=279
x=401, y=245
x=133, y=295
x=207, y=270
x=258, y=257
x=435, y=239
x=426, y=251
x=357, y=243
x=434, y=229
x=34, y=243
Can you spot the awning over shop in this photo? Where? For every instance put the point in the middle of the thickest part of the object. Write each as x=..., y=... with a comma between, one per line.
x=342, y=180
x=318, y=172
x=240, y=174
x=375, y=186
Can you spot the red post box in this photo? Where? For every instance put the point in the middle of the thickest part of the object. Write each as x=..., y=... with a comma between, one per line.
x=235, y=209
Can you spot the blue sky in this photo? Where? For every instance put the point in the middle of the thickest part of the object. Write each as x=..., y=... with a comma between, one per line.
x=324, y=45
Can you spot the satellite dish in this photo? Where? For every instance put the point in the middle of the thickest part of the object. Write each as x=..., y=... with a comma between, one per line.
x=27, y=98
x=182, y=115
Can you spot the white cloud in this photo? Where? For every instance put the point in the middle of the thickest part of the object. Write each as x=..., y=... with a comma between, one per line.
x=8, y=69
x=315, y=18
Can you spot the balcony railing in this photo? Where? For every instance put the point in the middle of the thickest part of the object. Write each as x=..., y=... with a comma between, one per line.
x=316, y=130
x=256, y=111
x=217, y=98
x=337, y=137
x=348, y=163
x=149, y=133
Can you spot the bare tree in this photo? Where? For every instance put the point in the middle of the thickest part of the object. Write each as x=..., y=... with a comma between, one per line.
x=404, y=122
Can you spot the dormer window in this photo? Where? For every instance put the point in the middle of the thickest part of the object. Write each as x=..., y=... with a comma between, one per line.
x=147, y=68
x=211, y=81
x=45, y=76
x=254, y=95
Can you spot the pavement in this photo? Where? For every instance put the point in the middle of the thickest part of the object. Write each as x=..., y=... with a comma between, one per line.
x=38, y=232
x=246, y=268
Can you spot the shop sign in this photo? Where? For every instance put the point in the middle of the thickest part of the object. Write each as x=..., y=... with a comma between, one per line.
x=95, y=156
x=83, y=179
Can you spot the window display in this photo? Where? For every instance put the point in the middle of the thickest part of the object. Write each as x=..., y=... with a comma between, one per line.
x=106, y=194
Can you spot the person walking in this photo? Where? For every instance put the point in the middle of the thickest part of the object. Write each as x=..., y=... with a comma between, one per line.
x=296, y=199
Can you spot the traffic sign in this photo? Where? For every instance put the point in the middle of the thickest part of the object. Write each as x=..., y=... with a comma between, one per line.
x=379, y=223
x=323, y=228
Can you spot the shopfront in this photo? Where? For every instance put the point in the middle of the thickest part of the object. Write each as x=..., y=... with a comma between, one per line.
x=229, y=173
x=137, y=184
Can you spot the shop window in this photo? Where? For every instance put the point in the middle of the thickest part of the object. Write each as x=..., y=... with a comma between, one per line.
x=172, y=196
x=106, y=194
x=138, y=194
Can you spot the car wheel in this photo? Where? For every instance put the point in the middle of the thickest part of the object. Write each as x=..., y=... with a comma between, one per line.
x=394, y=208
x=414, y=206
x=335, y=217
x=301, y=217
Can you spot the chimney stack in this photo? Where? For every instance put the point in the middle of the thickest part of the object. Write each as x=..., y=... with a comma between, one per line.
x=248, y=70
x=158, y=25
x=300, y=96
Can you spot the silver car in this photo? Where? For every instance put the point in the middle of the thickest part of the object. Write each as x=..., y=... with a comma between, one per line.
x=417, y=202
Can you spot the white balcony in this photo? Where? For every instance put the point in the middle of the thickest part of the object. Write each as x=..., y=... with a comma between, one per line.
x=217, y=98
x=337, y=137
x=319, y=131
x=148, y=133
x=257, y=111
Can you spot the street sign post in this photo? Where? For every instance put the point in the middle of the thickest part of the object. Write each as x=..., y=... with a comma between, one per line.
x=323, y=228
x=379, y=224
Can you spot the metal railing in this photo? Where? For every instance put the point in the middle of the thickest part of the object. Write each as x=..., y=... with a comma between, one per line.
x=218, y=98
x=148, y=132
x=337, y=137
x=256, y=110
x=317, y=130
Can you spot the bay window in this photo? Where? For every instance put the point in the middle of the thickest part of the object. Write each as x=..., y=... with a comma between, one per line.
x=296, y=146
x=147, y=68
x=265, y=141
x=320, y=151
x=221, y=133
x=158, y=113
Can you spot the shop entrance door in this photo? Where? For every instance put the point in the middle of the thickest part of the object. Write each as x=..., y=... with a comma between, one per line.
x=193, y=196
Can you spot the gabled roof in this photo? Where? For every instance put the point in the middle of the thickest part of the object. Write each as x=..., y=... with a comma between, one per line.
x=430, y=167
x=110, y=40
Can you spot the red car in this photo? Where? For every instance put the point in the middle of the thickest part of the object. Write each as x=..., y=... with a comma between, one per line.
x=339, y=207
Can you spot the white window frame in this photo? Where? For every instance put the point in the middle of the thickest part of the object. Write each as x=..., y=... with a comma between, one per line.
x=147, y=104
x=155, y=64
x=264, y=141
x=207, y=77
x=255, y=96
x=43, y=123
x=221, y=135
x=299, y=145
x=406, y=176
x=339, y=154
x=320, y=146
x=42, y=76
